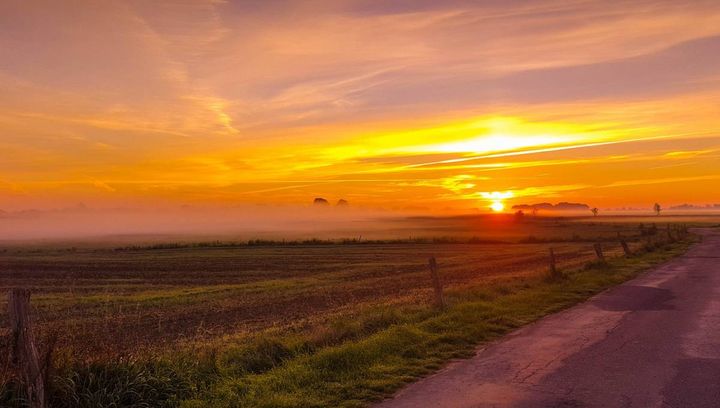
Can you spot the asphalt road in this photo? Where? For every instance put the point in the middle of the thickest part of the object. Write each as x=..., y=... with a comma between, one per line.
x=651, y=342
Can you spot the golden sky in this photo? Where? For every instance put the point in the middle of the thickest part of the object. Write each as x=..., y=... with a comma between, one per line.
x=392, y=104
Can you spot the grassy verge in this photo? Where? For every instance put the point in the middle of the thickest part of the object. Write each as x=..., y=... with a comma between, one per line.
x=347, y=362
x=359, y=371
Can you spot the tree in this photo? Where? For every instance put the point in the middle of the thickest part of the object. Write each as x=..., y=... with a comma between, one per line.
x=595, y=211
x=657, y=209
x=320, y=201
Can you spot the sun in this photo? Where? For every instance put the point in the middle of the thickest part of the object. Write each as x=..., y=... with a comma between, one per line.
x=496, y=199
x=497, y=206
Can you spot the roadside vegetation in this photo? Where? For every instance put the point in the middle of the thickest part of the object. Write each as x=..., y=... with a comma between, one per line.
x=383, y=353
x=335, y=353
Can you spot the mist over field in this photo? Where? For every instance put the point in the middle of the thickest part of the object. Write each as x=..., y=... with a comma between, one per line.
x=288, y=222
x=247, y=222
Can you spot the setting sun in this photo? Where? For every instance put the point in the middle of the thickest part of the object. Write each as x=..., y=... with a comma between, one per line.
x=496, y=199
x=497, y=206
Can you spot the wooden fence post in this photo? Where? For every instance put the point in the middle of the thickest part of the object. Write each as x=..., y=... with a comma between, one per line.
x=439, y=301
x=24, y=350
x=599, y=252
x=553, y=266
x=625, y=247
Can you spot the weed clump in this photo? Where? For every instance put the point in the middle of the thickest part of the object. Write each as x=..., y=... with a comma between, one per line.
x=123, y=384
x=261, y=355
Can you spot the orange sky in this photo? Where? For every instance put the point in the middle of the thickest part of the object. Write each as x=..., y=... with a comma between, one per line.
x=403, y=104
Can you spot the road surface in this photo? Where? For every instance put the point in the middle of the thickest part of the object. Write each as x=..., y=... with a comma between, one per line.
x=651, y=342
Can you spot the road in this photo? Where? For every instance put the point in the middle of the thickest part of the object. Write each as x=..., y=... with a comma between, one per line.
x=651, y=342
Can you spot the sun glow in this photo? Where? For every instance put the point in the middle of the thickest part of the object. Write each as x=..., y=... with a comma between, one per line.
x=499, y=143
x=498, y=134
x=496, y=199
x=497, y=206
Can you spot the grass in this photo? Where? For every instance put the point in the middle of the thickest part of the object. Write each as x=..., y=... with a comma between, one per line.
x=120, y=384
x=348, y=361
x=356, y=372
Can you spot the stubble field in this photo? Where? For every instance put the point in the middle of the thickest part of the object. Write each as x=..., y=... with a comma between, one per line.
x=119, y=300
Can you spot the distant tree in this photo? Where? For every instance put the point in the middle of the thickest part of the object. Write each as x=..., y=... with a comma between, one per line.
x=342, y=203
x=519, y=214
x=657, y=209
x=534, y=211
x=320, y=201
x=595, y=211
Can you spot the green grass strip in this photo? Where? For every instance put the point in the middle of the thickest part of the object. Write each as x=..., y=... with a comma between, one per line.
x=357, y=372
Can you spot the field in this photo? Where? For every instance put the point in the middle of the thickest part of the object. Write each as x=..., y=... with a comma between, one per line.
x=253, y=309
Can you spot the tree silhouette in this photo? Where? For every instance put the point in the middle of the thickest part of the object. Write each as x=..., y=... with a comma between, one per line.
x=595, y=211
x=320, y=201
x=657, y=209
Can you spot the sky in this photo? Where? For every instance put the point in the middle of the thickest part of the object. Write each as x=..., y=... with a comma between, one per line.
x=410, y=104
